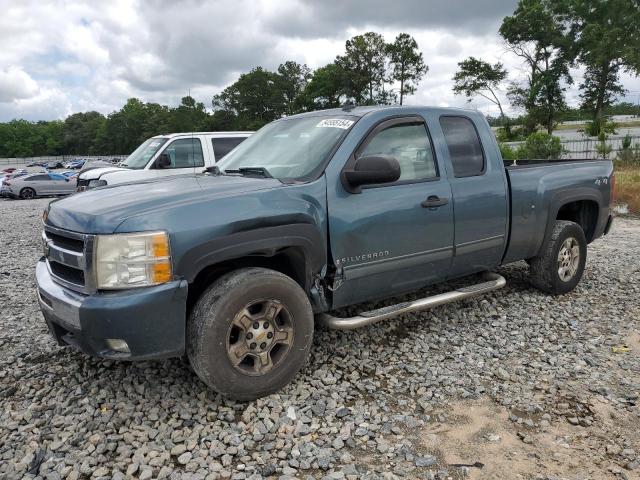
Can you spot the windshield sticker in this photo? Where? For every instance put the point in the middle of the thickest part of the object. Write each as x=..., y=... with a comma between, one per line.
x=335, y=123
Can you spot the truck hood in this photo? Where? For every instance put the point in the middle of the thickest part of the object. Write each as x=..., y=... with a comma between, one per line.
x=101, y=210
x=94, y=173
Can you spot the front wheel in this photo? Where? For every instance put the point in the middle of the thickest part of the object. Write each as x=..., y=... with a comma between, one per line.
x=560, y=265
x=250, y=333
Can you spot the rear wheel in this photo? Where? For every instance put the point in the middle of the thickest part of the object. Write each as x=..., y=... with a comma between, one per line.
x=560, y=265
x=250, y=333
x=27, y=193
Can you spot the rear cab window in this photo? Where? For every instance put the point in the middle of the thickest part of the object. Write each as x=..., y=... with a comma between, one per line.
x=465, y=149
x=222, y=146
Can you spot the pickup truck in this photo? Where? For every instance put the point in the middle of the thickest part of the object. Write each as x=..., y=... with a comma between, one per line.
x=312, y=213
x=165, y=156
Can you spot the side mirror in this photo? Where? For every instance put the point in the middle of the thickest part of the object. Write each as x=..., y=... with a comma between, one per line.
x=371, y=170
x=163, y=161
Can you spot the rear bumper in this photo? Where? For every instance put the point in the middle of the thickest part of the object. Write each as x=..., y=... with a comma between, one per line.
x=150, y=320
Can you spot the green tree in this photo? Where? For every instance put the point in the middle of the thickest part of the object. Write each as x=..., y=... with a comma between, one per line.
x=606, y=39
x=477, y=77
x=54, y=137
x=326, y=87
x=256, y=98
x=540, y=146
x=80, y=131
x=407, y=63
x=535, y=33
x=189, y=116
x=294, y=80
x=364, y=66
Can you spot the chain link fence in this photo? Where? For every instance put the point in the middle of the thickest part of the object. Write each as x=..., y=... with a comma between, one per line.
x=61, y=158
x=592, y=148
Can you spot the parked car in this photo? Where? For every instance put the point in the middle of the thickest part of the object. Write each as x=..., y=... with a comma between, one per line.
x=9, y=170
x=39, y=185
x=313, y=213
x=14, y=172
x=164, y=156
x=4, y=190
x=75, y=164
x=53, y=165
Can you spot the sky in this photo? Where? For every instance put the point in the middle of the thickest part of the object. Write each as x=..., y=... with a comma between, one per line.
x=62, y=57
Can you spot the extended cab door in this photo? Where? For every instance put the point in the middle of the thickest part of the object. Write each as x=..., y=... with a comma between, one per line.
x=478, y=184
x=395, y=237
x=186, y=157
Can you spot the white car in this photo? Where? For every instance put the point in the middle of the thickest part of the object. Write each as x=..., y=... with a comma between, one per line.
x=166, y=155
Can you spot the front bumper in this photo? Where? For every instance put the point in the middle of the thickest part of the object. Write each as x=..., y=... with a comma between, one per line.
x=150, y=320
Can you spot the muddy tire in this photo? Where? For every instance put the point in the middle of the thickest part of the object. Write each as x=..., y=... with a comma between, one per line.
x=250, y=333
x=560, y=265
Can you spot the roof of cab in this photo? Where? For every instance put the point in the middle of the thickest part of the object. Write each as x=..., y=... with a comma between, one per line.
x=362, y=111
x=214, y=134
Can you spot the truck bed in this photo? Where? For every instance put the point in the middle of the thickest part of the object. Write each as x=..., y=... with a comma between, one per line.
x=539, y=188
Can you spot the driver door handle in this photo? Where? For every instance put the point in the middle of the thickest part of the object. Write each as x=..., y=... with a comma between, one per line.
x=433, y=201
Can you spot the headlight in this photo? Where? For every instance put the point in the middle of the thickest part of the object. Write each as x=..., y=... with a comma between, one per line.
x=132, y=260
x=96, y=183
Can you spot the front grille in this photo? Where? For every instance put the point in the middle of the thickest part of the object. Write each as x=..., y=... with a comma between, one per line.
x=70, y=274
x=67, y=243
x=69, y=256
x=81, y=185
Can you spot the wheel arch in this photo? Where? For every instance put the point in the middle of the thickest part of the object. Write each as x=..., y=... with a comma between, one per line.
x=297, y=251
x=582, y=206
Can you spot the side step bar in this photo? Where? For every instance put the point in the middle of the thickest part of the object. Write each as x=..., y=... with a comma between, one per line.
x=493, y=281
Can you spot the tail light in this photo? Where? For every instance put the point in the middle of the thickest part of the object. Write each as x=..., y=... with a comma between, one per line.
x=613, y=196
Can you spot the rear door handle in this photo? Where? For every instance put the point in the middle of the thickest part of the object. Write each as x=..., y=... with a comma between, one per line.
x=433, y=201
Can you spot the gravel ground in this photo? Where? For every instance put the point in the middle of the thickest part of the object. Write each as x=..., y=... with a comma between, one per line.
x=514, y=384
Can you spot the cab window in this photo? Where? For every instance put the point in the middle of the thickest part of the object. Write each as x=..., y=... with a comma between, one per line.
x=222, y=146
x=185, y=153
x=464, y=146
x=408, y=143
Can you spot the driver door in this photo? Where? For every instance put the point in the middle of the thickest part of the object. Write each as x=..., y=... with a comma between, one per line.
x=395, y=237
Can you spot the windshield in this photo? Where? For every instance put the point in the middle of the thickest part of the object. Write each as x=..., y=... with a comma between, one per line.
x=141, y=155
x=289, y=149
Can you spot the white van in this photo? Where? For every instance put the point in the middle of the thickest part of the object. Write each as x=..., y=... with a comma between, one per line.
x=165, y=155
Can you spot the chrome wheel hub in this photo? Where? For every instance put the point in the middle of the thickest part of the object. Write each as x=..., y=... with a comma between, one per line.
x=568, y=259
x=260, y=336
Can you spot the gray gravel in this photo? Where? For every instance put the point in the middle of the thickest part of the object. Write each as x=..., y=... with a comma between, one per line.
x=355, y=411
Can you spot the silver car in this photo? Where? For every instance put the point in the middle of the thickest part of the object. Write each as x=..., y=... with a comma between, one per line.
x=39, y=185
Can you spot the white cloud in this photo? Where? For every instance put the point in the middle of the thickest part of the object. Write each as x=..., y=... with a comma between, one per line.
x=16, y=84
x=63, y=57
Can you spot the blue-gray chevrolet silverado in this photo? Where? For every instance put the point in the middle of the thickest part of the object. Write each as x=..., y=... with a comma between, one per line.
x=314, y=212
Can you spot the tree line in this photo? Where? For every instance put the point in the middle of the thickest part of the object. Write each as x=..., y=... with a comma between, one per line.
x=548, y=36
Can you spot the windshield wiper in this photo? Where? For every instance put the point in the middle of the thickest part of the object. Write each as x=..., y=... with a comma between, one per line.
x=260, y=171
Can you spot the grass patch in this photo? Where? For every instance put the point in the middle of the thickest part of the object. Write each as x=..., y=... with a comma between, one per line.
x=628, y=187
